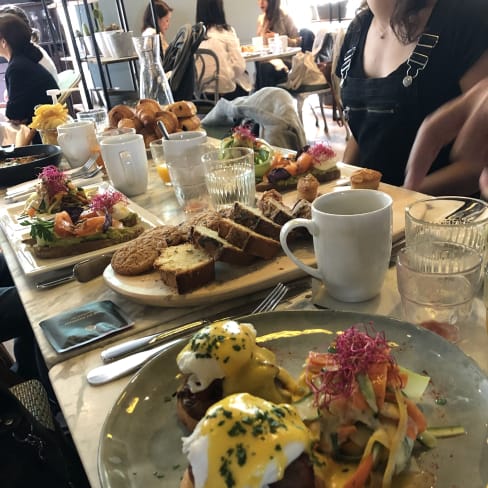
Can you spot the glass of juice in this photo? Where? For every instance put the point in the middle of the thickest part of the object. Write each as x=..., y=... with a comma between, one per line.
x=157, y=154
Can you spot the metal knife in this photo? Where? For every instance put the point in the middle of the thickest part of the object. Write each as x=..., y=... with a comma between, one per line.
x=146, y=342
x=122, y=367
x=83, y=271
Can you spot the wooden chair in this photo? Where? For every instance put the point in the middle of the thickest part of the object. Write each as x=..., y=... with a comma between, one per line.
x=206, y=89
x=68, y=82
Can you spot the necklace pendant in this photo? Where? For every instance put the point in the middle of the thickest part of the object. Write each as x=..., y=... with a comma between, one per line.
x=407, y=81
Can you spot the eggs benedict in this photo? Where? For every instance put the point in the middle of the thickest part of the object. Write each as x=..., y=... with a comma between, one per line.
x=223, y=358
x=245, y=441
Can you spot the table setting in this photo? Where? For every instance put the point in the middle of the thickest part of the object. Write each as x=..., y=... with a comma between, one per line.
x=132, y=418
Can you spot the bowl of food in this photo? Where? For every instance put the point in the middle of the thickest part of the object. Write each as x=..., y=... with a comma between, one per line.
x=26, y=162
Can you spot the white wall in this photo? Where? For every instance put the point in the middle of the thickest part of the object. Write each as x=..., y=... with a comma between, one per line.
x=241, y=14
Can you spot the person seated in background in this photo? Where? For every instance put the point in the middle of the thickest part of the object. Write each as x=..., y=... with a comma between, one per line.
x=163, y=14
x=273, y=20
x=26, y=80
x=222, y=39
x=400, y=61
x=463, y=120
x=46, y=60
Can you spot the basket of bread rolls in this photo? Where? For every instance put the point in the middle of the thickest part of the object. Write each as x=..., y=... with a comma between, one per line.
x=144, y=117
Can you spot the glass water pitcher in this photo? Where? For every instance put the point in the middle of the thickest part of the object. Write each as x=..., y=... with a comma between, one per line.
x=152, y=79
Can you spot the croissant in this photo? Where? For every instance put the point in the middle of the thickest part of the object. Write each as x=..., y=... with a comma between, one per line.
x=118, y=113
x=169, y=120
x=127, y=123
x=189, y=123
x=147, y=103
x=183, y=108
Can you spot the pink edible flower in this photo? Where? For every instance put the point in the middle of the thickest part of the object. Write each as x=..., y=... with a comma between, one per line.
x=54, y=180
x=104, y=202
x=355, y=352
x=244, y=132
x=321, y=151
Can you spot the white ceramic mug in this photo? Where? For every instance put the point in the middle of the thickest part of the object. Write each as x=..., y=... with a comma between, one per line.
x=77, y=141
x=181, y=143
x=352, y=233
x=126, y=162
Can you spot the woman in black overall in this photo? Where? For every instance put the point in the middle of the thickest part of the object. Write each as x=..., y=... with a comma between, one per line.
x=401, y=60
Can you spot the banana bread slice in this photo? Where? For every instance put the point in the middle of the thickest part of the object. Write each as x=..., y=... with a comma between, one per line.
x=185, y=267
x=249, y=241
x=255, y=220
x=221, y=250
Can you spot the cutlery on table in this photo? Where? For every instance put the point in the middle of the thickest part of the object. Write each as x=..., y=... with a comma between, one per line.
x=83, y=271
x=88, y=170
x=129, y=364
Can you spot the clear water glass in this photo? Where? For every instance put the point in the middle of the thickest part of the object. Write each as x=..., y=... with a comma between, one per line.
x=437, y=281
x=230, y=176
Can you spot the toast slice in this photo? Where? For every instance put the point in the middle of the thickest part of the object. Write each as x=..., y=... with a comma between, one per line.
x=255, y=220
x=248, y=240
x=217, y=247
x=185, y=267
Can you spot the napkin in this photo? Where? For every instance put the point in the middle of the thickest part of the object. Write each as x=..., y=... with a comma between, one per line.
x=85, y=324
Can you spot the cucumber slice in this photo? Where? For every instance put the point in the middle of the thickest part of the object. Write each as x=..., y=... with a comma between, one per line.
x=306, y=408
x=416, y=384
x=449, y=431
x=367, y=390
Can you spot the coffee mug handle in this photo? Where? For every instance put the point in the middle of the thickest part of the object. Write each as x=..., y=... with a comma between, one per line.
x=127, y=165
x=285, y=230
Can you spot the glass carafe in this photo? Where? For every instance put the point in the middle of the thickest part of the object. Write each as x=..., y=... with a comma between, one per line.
x=152, y=79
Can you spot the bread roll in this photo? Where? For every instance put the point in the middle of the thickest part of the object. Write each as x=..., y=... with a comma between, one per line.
x=118, y=113
x=366, y=178
x=189, y=123
x=170, y=121
x=183, y=108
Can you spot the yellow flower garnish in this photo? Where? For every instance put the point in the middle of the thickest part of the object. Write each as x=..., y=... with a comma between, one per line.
x=49, y=116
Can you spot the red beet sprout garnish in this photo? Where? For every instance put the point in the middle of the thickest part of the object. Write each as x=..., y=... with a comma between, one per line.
x=355, y=352
x=244, y=132
x=53, y=180
x=104, y=202
x=321, y=151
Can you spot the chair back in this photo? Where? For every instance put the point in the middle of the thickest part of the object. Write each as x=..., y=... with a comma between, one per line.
x=206, y=87
x=68, y=81
x=179, y=59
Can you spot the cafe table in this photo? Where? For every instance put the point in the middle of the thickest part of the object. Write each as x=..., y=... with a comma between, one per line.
x=267, y=56
x=86, y=407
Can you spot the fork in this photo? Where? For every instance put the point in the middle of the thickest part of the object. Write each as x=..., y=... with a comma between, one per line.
x=269, y=303
x=129, y=364
x=86, y=168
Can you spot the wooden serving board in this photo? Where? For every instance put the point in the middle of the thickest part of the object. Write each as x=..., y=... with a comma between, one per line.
x=235, y=281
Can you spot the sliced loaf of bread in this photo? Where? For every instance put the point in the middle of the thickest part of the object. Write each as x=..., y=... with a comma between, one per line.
x=255, y=220
x=217, y=247
x=185, y=267
x=248, y=240
x=276, y=211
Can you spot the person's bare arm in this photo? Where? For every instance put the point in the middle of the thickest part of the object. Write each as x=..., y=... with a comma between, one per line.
x=351, y=152
x=465, y=120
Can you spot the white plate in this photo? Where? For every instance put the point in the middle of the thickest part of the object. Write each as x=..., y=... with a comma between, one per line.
x=32, y=265
x=231, y=281
x=140, y=444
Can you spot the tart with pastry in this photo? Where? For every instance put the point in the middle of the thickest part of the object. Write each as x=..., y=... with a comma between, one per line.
x=319, y=160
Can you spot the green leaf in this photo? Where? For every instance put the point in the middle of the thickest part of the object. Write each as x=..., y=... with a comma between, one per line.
x=41, y=229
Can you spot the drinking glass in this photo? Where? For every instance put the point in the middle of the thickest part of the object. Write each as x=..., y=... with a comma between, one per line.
x=230, y=177
x=157, y=154
x=456, y=219
x=437, y=281
x=187, y=176
x=97, y=115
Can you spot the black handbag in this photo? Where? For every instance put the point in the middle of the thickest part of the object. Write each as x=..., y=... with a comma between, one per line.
x=34, y=451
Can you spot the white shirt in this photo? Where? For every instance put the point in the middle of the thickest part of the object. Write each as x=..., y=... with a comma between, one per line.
x=225, y=44
x=47, y=63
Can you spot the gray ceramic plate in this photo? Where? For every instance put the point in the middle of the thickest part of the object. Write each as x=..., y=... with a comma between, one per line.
x=141, y=440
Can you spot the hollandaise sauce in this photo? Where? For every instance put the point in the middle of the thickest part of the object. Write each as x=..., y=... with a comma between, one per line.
x=253, y=440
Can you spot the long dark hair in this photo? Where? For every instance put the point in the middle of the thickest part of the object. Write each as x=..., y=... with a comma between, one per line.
x=161, y=8
x=404, y=18
x=21, y=13
x=211, y=13
x=17, y=34
x=272, y=13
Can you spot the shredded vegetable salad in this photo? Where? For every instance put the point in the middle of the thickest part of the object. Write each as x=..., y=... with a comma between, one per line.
x=364, y=415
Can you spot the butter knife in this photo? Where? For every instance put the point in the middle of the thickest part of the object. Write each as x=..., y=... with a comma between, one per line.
x=83, y=271
x=122, y=367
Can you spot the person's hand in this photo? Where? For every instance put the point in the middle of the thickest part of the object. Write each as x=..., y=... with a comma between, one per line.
x=465, y=120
